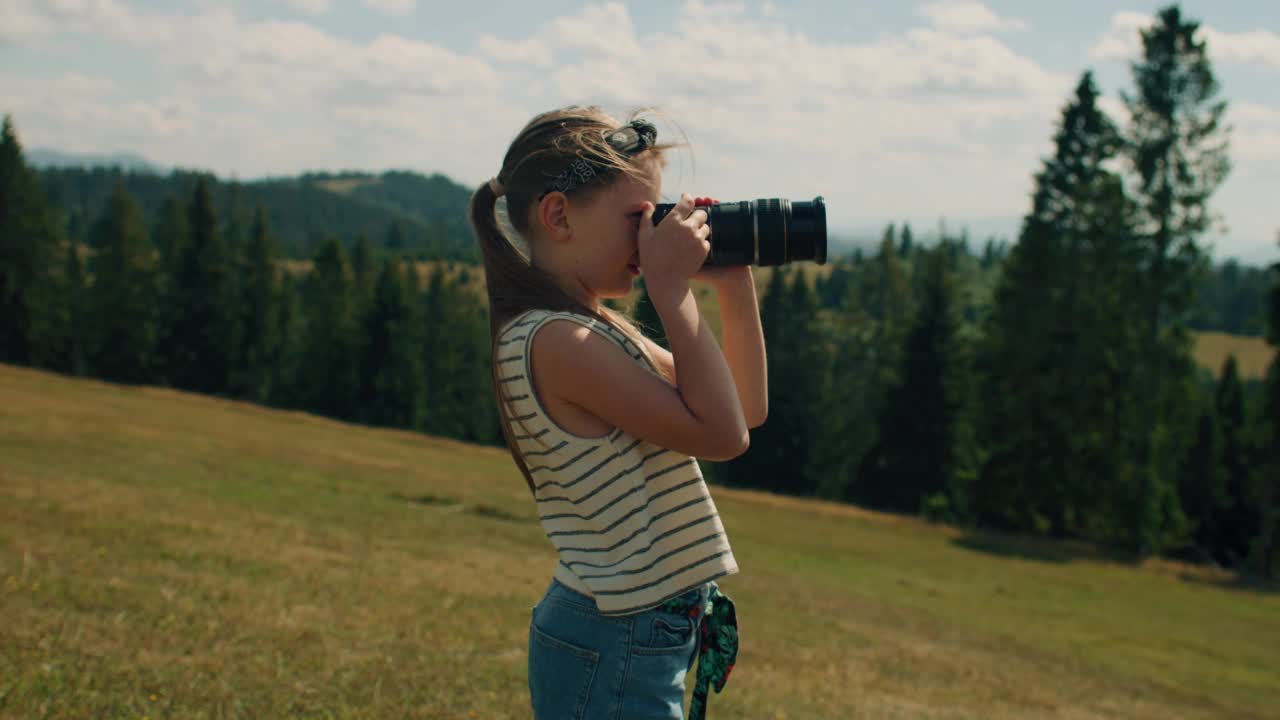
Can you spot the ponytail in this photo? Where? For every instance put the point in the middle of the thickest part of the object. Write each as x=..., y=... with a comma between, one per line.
x=502, y=264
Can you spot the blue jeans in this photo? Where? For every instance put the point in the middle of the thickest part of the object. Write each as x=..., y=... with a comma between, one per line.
x=588, y=666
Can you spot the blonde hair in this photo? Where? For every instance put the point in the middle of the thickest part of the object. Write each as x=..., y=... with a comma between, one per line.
x=544, y=148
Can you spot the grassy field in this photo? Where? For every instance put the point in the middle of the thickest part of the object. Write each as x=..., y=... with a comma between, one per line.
x=166, y=555
x=1253, y=354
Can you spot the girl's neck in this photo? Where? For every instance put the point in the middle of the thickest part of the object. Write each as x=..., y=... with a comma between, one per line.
x=568, y=284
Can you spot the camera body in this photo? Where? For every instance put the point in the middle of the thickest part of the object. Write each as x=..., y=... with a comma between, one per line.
x=768, y=231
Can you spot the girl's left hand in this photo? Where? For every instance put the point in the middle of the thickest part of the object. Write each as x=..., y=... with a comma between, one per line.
x=718, y=275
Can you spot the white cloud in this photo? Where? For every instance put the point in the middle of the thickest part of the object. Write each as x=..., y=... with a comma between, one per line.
x=89, y=113
x=1121, y=41
x=1256, y=47
x=267, y=60
x=247, y=97
x=602, y=29
x=398, y=8
x=1255, y=134
x=532, y=51
x=966, y=16
x=24, y=21
x=311, y=7
x=21, y=23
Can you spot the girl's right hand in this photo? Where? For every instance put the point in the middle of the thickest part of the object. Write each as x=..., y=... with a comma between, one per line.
x=672, y=251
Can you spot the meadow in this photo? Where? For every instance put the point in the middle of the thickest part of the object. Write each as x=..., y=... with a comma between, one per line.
x=1253, y=355
x=166, y=555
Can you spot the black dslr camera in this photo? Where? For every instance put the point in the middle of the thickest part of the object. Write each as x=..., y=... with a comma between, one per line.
x=763, y=232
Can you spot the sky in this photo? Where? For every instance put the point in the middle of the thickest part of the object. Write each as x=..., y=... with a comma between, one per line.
x=935, y=112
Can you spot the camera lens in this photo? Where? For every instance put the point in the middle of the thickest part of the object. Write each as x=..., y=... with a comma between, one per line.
x=768, y=231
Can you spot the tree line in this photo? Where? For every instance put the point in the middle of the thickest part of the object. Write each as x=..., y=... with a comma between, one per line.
x=200, y=301
x=1045, y=388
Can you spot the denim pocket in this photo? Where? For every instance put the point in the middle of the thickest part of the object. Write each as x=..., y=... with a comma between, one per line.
x=560, y=676
x=660, y=633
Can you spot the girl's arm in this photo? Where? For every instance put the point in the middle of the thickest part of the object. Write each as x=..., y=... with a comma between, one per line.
x=742, y=341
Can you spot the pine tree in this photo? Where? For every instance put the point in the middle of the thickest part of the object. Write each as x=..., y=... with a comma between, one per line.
x=170, y=234
x=171, y=238
x=259, y=326
x=27, y=254
x=889, y=241
x=474, y=397
x=1202, y=492
x=925, y=452
x=879, y=327
x=397, y=238
x=124, y=293
x=765, y=464
x=907, y=242
x=1178, y=149
x=365, y=270
x=76, y=303
x=806, y=374
x=1263, y=559
x=455, y=349
x=837, y=291
x=203, y=337
x=782, y=456
x=1058, y=422
x=989, y=254
x=328, y=377
x=1239, y=523
x=442, y=362
x=847, y=413
x=888, y=300
x=235, y=228
x=391, y=375
x=290, y=330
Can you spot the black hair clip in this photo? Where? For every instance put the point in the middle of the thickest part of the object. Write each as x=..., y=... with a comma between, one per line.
x=633, y=137
x=629, y=139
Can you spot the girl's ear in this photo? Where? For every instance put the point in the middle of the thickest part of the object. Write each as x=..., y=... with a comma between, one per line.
x=553, y=216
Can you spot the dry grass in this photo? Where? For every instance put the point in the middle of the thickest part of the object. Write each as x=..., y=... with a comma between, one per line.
x=342, y=186
x=164, y=555
x=1253, y=354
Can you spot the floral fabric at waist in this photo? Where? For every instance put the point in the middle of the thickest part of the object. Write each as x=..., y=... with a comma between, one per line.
x=719, y=644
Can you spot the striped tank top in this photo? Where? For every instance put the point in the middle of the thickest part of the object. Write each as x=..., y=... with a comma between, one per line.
x=633, y=523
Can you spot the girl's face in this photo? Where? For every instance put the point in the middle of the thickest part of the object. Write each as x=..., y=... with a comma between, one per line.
x=603, y=254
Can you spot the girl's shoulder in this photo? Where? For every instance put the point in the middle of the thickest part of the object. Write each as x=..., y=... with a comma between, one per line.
x=521, y=328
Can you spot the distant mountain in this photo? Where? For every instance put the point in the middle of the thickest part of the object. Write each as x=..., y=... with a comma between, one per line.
x=123, y=160
x=409, y=213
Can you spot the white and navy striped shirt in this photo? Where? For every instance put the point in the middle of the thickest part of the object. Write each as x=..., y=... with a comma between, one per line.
x=634, y=523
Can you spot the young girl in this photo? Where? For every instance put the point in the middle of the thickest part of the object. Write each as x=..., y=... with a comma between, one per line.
x=605, y=425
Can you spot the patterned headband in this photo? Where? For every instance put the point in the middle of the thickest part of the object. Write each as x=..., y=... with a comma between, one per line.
x=629, y=139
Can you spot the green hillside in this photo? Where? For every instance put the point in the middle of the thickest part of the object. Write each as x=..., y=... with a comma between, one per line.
x=407, y=212
x=169, y=555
